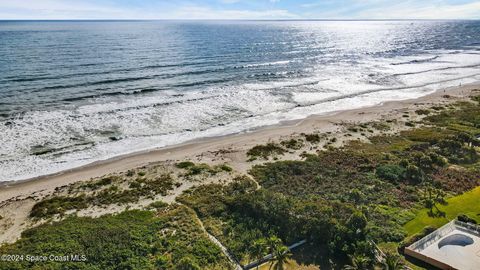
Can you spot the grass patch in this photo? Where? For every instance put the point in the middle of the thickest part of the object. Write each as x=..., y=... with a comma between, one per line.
x=100, y=183
x=265, y=151
x=157, y=205
x=430, y=135
x=185, y=164
x=467, y=203
x=141, y=188
x=225, y=168
x=196, y=169
x=312, y=138
x=58, y=205
x=423, y=112
x=201, y=168
x=293, y=144
x=381, y=126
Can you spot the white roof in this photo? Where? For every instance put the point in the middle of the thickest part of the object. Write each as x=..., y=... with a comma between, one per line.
x=454, y=253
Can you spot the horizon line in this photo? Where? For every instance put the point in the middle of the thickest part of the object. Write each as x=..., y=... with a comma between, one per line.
x=240, y=19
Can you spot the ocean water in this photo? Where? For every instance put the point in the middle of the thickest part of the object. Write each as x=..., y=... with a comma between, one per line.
x=76, y=92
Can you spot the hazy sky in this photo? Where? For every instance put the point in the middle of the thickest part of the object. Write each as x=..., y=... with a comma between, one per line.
x=239, y=9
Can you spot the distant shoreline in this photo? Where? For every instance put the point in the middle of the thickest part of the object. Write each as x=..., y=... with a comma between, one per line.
x=195, y=150
x=233, y=20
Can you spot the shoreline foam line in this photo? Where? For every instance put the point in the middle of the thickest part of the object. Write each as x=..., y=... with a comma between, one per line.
x=190, y=149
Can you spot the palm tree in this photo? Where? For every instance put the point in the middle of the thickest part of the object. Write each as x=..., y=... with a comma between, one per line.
x=273, y=243
x=259, y=249
x=358, y=262
x=280, y=257
x=432, y=196
x=392, y=262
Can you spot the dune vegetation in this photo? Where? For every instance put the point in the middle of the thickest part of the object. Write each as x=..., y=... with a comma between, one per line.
x=161, y=238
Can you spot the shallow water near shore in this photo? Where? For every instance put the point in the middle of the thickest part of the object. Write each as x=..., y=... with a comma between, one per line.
x=72, y=93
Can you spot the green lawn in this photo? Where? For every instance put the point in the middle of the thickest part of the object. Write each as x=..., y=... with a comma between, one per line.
x=467, y=203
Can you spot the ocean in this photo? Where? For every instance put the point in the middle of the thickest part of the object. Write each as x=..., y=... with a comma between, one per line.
x=75, y=92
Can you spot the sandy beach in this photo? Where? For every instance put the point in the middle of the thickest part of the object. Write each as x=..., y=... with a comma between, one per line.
x=232, y=149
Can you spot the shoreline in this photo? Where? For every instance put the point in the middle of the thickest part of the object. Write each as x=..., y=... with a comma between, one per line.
x=197, y=148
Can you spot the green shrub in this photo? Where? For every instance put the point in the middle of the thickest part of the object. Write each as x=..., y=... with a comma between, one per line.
x=466, y=219
x=312, y=138
x=135, y=185
x=187, y=263
x=382, y=126
x=266, y=150
x=195, y=169
x=423, y=112
x=390, y=172
x=225, y=167
x=100, y=183
x=185, y=164
x=201, y=168
x=292, y=144
x=414, y=174
x=58, y=205
x=157, y=205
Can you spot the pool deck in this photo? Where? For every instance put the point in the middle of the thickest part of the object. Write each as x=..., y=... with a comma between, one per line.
x=449, y=256
x=458, y=257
